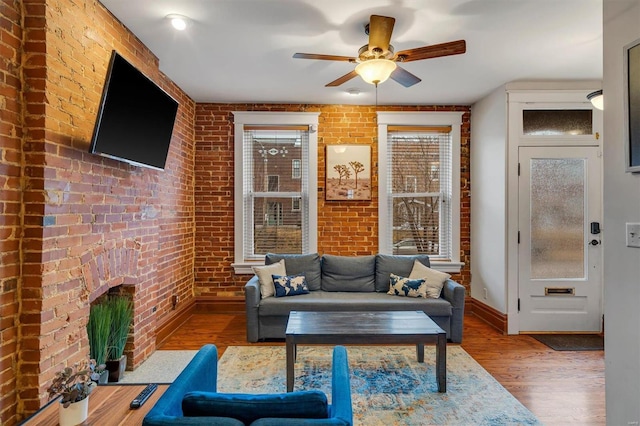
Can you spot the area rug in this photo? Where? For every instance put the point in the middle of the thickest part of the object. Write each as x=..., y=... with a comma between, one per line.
x=160, y=367
x=388, y=385
x=572, y=342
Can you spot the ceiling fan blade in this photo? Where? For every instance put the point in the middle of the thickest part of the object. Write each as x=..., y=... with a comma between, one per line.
x=437, y=50
x=404, y=77
x=343, y=79
x=324, y=57
x=380, y=29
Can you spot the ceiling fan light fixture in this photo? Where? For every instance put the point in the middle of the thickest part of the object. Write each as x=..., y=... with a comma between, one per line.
x=179, y=22
x=375, y=71
x=597, y=99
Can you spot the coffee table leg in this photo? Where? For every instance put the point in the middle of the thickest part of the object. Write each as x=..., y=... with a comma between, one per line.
x=420, y=351
x=291, y=349
x=441, y=362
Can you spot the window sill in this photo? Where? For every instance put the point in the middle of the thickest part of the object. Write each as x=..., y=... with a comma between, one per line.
x=448, y=267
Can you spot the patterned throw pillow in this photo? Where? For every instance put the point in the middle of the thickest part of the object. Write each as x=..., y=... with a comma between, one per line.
x=290, y=285
x=434, y=280
x=401, y=286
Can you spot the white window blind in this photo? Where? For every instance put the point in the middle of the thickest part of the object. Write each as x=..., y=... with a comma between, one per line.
x=419, y=161
x=275, y=201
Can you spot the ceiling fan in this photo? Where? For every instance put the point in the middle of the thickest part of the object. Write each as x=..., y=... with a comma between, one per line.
x=377, y=60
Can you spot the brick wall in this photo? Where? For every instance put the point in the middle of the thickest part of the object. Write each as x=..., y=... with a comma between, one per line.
x=10, y=200
x=89, y=223
x=357, y=220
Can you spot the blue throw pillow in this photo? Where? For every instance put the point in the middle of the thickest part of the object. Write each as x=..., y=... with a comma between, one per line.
x=401, y=286
x=248, y=408
x=290, y=285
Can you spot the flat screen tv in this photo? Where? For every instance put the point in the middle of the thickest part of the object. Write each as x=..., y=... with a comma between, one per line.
x=135, y=118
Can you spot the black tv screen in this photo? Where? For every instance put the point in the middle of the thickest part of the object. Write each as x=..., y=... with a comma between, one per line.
x=135, y=118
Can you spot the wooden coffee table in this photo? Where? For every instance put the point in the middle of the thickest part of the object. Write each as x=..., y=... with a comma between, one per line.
x=382, y=327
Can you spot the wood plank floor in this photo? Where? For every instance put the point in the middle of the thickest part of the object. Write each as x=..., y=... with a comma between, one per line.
x=560, y=388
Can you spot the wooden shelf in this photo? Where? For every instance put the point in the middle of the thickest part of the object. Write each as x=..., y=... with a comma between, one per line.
x=108, y=406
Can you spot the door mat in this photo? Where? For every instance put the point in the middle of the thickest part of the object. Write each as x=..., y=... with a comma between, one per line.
x=572, y=342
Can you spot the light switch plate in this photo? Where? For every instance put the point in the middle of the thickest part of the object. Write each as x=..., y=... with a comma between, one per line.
x=633, y=235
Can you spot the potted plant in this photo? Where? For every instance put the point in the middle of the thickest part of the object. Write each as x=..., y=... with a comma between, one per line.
x=98, y=329
x=121, y=311
x=73, y=384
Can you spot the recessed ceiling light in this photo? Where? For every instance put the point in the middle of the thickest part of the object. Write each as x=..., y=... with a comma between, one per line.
x=179, y=22
x=353, y=92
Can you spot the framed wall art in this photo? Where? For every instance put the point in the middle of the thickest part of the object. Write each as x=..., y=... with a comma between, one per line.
x=348, y=172
x=632, y=106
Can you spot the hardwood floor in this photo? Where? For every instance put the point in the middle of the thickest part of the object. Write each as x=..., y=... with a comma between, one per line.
x=560, y=388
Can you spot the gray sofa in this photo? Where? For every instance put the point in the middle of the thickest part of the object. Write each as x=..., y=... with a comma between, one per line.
x=348, y=283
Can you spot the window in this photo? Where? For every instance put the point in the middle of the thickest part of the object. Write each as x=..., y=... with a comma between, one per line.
x=276, y=207
x=411, y=184
x=295, y=204
x=273, y=184
x=419, y=175
x=296, y=171
x=274, y=215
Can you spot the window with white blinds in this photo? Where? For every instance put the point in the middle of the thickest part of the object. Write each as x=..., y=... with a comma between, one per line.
x=419, y=161
x=275, y=203
x=419, y=184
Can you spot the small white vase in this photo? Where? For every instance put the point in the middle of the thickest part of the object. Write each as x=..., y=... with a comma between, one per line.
x=75, y=413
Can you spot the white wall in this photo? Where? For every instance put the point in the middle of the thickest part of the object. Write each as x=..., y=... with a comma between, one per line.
x=488, y=203
x=621, y=205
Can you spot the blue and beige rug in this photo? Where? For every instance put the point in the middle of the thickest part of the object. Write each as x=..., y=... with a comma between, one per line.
x=388, y=385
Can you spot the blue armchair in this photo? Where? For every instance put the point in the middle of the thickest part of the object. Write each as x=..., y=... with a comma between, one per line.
x=192, y=399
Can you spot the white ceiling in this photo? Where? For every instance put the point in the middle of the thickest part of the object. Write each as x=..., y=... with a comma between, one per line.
x=241, y=50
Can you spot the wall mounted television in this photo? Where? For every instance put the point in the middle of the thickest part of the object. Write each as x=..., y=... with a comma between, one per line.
x=135, y=118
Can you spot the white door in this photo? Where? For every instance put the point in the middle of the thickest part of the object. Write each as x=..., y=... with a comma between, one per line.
x=560, y=286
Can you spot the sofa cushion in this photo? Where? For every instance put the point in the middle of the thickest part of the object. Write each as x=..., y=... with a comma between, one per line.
x=348, y=273
x=265, y=276
x=307, y=264
x=320, y=301
x=402, y=265
x=290, y=285
x=247, y=408
x=403, y=286
x=434, y=279
x=333, y=421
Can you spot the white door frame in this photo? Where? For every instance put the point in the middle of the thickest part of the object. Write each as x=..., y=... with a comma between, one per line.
x=519, y=100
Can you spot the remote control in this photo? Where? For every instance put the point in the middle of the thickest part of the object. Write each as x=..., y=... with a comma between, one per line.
x=143, y=396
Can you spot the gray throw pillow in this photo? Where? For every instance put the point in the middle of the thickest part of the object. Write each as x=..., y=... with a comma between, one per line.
x=307, y=264
x=387, y=264
x=348, y=273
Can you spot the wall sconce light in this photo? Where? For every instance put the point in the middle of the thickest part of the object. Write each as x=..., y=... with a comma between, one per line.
x=375, y=71
x=597, y=99
x=179, y=22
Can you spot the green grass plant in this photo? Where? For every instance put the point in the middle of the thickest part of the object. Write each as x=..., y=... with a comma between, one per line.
x=121, y=309
x=98, y=329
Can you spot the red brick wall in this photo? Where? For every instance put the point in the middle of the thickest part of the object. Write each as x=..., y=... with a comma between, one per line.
x=89, y=223
x=358, y=220
x=10, y=200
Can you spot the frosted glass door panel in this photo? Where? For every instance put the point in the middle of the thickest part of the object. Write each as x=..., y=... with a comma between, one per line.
x=557, y=218
x=557, y=122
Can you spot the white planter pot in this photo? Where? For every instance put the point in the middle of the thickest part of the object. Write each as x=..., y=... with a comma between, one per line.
x=74, y=414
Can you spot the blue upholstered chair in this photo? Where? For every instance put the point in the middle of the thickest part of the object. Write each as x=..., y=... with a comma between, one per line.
x=192, y=399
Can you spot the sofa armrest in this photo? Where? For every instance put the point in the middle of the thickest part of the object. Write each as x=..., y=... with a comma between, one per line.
x=341, y=407
x=201, y=374
x=454, y=293
x=252, y=302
